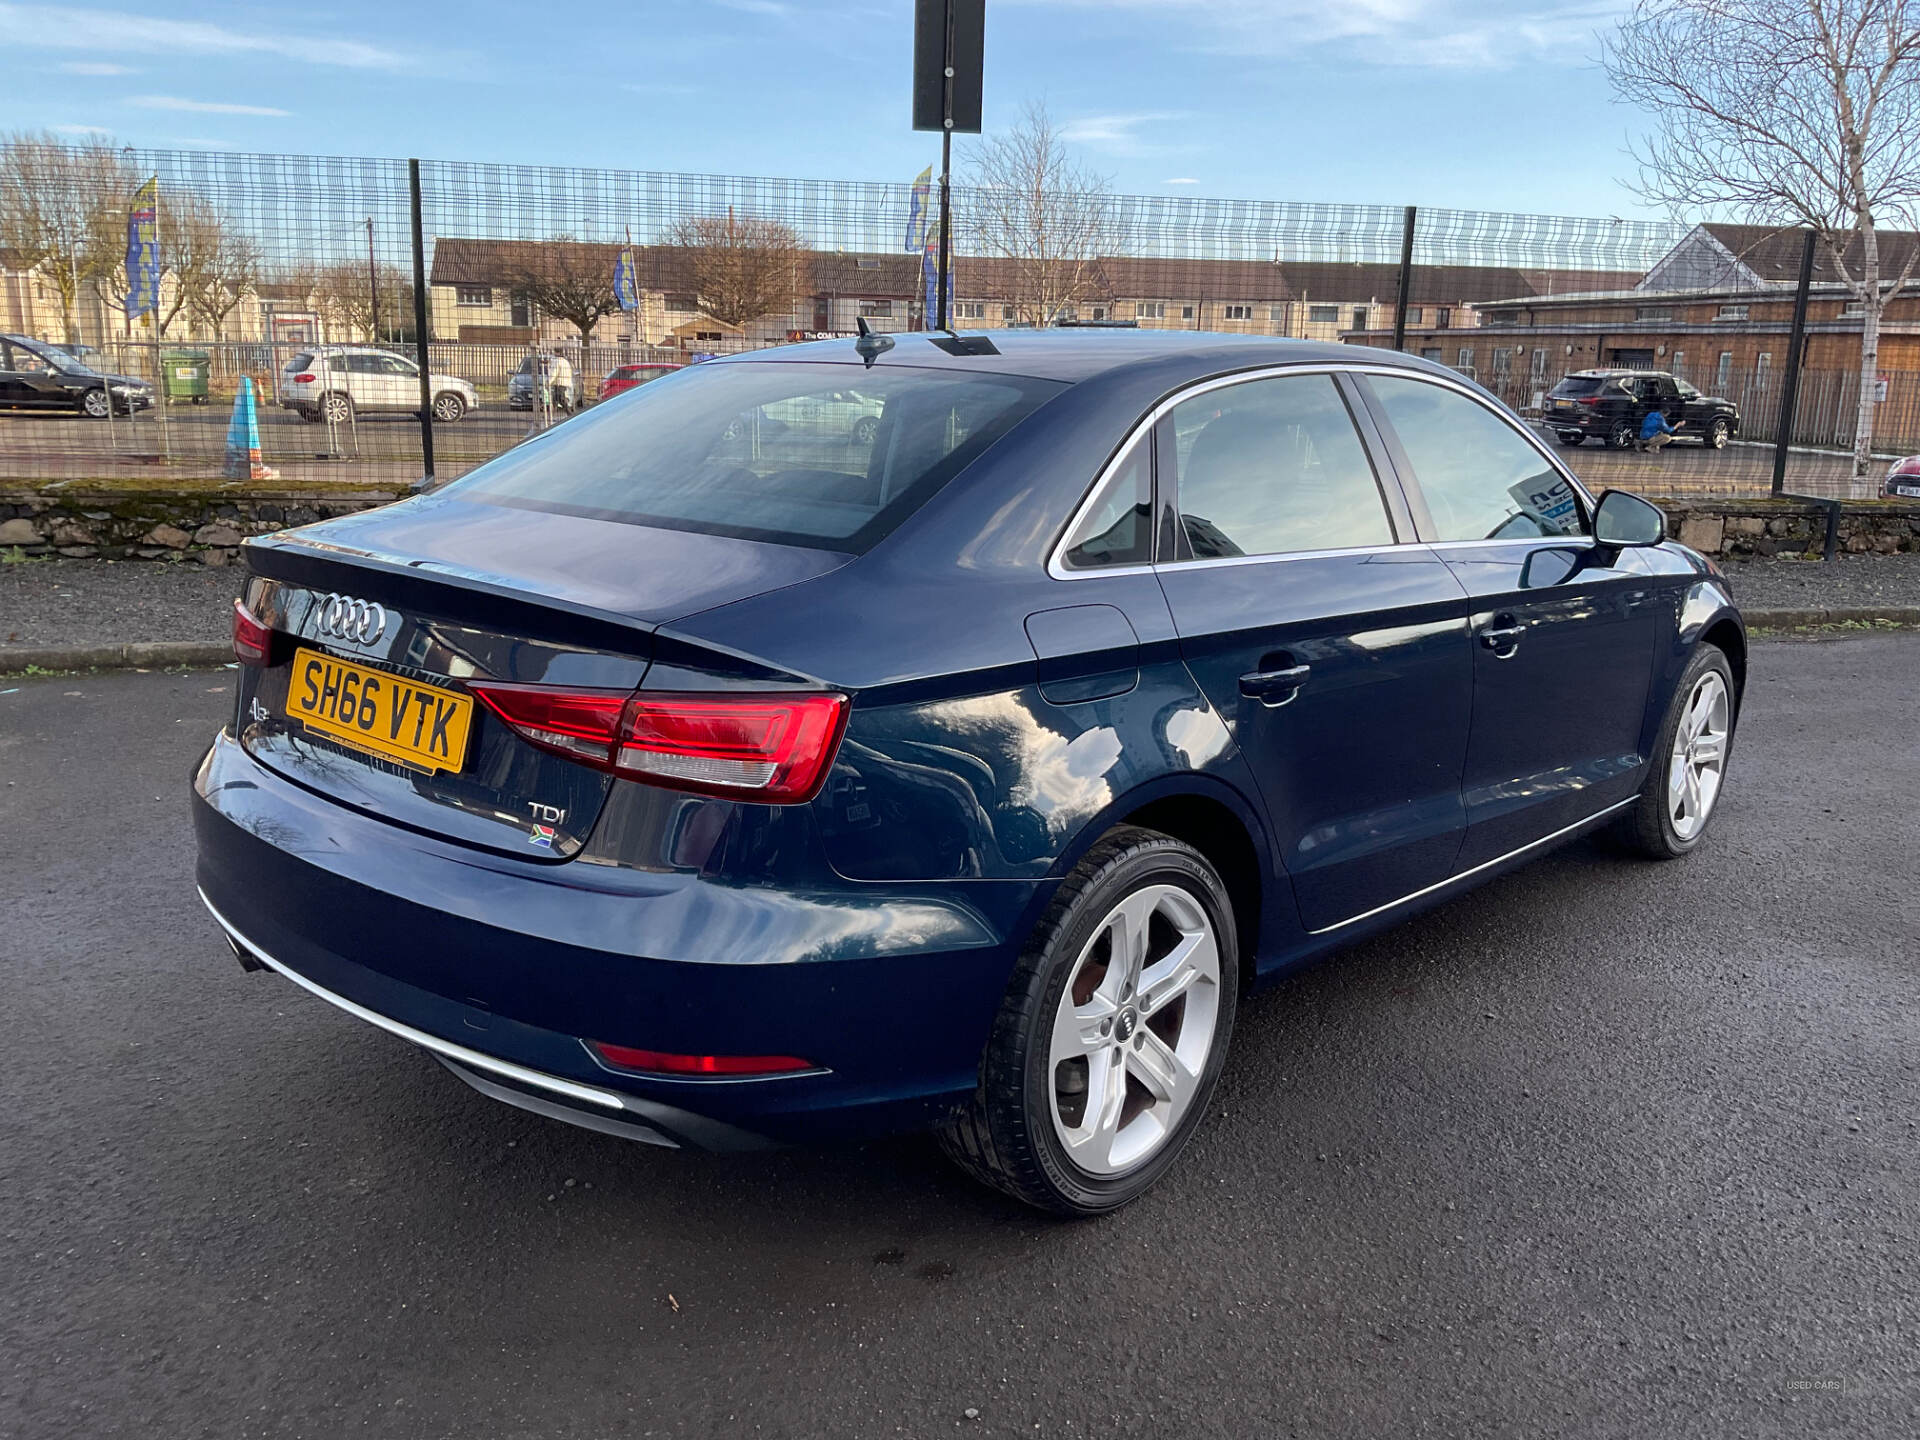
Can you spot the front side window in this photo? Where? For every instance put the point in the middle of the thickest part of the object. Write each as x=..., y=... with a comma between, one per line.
x=1483, y=480
x=1273, y=466
x=790, y=453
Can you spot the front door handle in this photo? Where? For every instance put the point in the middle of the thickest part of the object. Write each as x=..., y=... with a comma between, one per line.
x=1503, y=640
x=1274, y=687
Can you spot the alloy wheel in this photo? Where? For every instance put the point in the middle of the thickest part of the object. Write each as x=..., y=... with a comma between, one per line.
x=1699, y=758
x=449, y=408
x=1133, y=1030
x=337, y=409
x=97, y=404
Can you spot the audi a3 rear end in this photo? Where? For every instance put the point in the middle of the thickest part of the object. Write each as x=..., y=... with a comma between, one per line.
x=713, y=772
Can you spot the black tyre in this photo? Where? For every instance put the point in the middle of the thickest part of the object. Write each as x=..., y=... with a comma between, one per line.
x=864, y=429
x=1688, y=769
x=1112, y=1033
x=1718, y=432
x=95, y=405
x=1624, y=435
x=337, y=408
x=448, y=407
x=1571, y=438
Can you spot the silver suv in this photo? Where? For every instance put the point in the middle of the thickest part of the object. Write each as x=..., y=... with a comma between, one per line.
x=334, y=382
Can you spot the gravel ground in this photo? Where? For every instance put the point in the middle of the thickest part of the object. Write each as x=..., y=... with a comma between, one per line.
x=103, y=602
x=86, y=602
x=1849, y=580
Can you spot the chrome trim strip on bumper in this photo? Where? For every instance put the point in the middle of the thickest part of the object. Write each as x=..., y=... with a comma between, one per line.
x=573, y=1090
x=1483, y=865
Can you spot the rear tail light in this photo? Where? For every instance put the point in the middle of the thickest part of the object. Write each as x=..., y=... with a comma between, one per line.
x=252, y=639
x=775, y=749
x=664, y=1062
x=306, y=379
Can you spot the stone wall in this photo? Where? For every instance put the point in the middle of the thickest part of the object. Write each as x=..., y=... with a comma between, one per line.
x=149, y=522
x=1791, y=527
x=156, y=522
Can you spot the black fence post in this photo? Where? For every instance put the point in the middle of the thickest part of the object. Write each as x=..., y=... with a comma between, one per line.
x=1790, y=393
x=421, y=335
x=1406, y=284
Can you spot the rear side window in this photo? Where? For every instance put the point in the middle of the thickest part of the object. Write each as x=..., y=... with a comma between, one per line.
x=1272, y=466
x=1118, y=529
x=827, y=456
x=1482, y=479
x=300, y=362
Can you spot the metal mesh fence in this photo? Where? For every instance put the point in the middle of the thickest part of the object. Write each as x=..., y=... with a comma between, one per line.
x=548, y=290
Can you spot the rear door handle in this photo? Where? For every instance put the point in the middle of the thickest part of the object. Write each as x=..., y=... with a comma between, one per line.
x=1274, y=687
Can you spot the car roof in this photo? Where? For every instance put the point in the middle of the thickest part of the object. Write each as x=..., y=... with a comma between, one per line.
x=1073, y=355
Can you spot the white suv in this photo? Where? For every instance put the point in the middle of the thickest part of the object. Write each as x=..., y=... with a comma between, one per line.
x=334, y=382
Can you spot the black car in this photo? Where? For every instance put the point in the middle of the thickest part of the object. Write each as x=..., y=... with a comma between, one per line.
x=1612, y=404
x=38, y=376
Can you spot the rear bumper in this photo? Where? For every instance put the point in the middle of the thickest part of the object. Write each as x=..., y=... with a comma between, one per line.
x=503, y=968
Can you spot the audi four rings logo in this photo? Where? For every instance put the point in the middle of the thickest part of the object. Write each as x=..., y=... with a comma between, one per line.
x=346, y=618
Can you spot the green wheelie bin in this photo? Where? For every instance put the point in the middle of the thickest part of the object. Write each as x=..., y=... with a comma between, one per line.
x=186, y=374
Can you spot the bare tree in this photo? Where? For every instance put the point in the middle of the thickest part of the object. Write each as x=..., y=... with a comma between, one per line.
x=215, y=263
x=1040, y=214
x=743, y=267
x=1787, y=112
x=57, y=209
x=566, y=279
x=344, y=296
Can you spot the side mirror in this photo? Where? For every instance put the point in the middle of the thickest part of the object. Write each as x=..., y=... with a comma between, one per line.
x=1625, y=519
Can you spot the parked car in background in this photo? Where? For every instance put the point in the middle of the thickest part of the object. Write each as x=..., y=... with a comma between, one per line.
x=848, y=414
x=336, y=382
x=39, y=376
x=1609, y=405
x=1903, y=479
x=712, y=792
x=626, y=377
x=556, y=370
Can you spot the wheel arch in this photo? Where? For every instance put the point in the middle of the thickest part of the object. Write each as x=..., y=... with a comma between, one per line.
x=1216, y=820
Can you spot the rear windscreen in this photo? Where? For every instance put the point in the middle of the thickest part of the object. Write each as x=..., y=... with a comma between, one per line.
x=827, y=456
x=1579, y=385
x=300, y=362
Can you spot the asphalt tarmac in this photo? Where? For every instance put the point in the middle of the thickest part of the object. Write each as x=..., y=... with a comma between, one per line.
x=1603, y=1149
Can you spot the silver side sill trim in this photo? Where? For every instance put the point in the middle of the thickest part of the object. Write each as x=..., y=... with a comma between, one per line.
x=1483, y=865
x=536, y=1078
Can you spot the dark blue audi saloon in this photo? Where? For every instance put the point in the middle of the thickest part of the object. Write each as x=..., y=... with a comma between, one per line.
x=942, y=732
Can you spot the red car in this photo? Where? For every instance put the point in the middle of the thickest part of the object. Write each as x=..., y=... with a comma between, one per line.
x=1903, y=479
x=626, y=377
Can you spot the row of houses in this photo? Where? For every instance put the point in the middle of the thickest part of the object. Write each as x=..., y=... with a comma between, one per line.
x=1716, y=308
x=475, y=298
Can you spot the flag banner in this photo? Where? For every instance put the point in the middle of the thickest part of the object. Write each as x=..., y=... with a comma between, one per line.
x=625, y=292
x=919, y=210
x=143, y=251
x=243, y=438
x=930, y=273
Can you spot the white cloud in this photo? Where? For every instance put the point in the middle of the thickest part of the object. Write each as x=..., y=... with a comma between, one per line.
x=202, y=107
x=52, y=27
x=81, y=130
x=1117, y=134
x=1181, y=180
x=755, y=7
x=95, y=67
x=1436, y=34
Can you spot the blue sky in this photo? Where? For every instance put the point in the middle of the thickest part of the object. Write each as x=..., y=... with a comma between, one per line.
x=1493, y=105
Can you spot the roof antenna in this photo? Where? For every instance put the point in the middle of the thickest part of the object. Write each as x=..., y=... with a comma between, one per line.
x=870, y=347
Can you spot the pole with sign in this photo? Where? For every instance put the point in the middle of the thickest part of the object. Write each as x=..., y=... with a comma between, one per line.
x=949, y=42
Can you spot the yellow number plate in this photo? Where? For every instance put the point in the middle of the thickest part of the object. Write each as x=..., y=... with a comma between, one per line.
x=387, y=715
